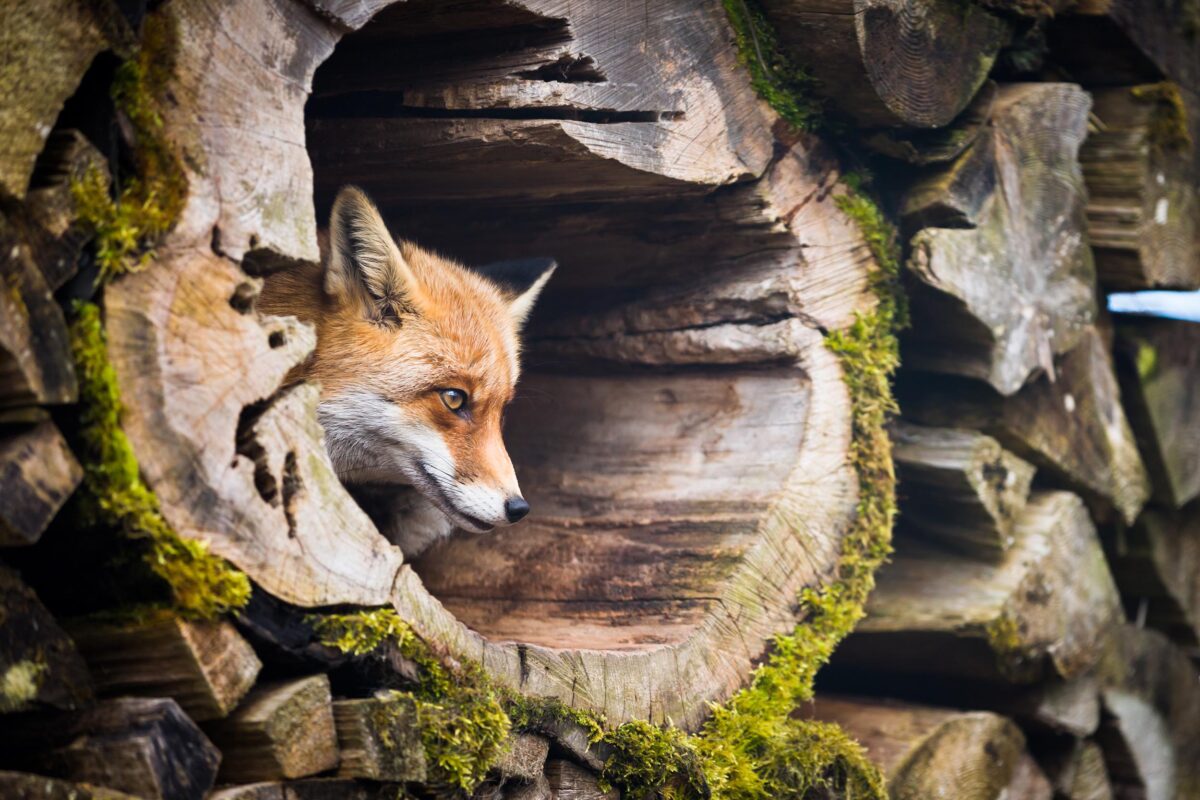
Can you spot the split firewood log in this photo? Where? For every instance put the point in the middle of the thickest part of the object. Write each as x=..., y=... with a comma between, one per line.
x=959, y=487
x=891, y=63
x=1073, y=427
x=38, y=473
x=1002, y=276
x=1158, y=364
x=1046, y=608
x=931, y=752
x=1156, y=563
x=146, y=747
x=379, y=739
x=1143, y=218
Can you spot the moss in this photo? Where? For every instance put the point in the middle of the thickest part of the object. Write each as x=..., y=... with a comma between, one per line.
x=786, y=87
x=543, y=713
x=19, y=685
x=148, y=204
x=462, y=723
x=201, y=585
x=1169, y=123
x=1147, y=361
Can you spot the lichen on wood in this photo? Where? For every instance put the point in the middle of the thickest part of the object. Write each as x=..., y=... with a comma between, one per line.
x=201, y=585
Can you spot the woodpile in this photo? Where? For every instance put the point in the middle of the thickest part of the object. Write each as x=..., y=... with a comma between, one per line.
x=192, y=605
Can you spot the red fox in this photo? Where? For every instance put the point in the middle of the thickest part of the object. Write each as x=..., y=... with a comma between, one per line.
x=417, y=358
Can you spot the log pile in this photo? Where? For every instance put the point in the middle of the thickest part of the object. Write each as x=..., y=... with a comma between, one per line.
x=685, y=429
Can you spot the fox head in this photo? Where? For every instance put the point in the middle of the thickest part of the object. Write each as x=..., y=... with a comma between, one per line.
x=417, y=358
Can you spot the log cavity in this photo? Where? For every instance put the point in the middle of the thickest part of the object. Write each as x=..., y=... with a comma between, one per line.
x=649, y=478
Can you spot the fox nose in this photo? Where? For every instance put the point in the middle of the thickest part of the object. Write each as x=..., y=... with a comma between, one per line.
x=515, y=508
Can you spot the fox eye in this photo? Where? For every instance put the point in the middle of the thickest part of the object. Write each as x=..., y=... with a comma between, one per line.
x=455, y=399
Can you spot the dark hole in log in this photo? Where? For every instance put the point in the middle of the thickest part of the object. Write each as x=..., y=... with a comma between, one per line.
x=647, y=483
x=249, y=447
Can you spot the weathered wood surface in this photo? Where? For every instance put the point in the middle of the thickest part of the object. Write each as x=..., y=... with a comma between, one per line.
x=39, y=665
x=35, y=361
x=1077, y=772
x=27, y=786
x=1142, y=211
x=892, y=63
x=280, y=730
x=1152, y=702
x=959, y=487
x=379, y=739
x=1002, y=275
x=37, y=474
x=1158, y=364
x=47, y=48
x=929, y=752
x=1046, y=608
x=1073, y=428
x=146, y=747
x=1157, y=566
x=238, y=465
x=207, y=667
x=311, y=789
x=568, y=781
x=525, y=758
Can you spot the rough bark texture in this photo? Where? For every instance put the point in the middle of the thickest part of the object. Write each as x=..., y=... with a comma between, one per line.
x=892, y=63
x=1143, y=219
x=1002, y=274
x=960, y=487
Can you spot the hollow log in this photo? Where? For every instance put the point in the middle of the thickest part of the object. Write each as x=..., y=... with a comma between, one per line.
x=379, y=739
x=1072, y=428
x=39, y=665
x=37, y=474
x=280, y=730
x=205, y=666
x=146, y=747
x=892, y=63
x=1014, y=203
x=1143, y=218
x=959, y=487
x=239, y=465
x=930, y=752
x=1046, y=608
x=1158, y=364
x=26, y=786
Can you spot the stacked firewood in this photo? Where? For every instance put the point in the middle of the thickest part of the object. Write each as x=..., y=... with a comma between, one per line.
x=1035, y=634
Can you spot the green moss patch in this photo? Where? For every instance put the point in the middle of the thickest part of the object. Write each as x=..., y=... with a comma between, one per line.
x=1169, y=124
x=201, y=584
x=145, y=207
x=463, y=725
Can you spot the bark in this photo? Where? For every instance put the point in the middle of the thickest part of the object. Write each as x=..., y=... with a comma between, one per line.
x=1143, y=218
x=960, y=487
x=39, y=665
x=1014, y=202
x=1046, y=608
x=1158, y=364
x=145, y=747
x=929, y=752
x=280, y=730
x=38, y=473
x=1073, y=428
x=204, y=666
x=892, y=63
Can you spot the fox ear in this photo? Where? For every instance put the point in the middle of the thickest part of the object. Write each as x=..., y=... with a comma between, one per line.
x=365, y=265
x=522, y=280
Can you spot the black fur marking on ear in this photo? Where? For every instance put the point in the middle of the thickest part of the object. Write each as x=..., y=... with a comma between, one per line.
x=518, y=274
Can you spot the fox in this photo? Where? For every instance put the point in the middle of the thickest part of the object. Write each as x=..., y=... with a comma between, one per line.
x=417, y=358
